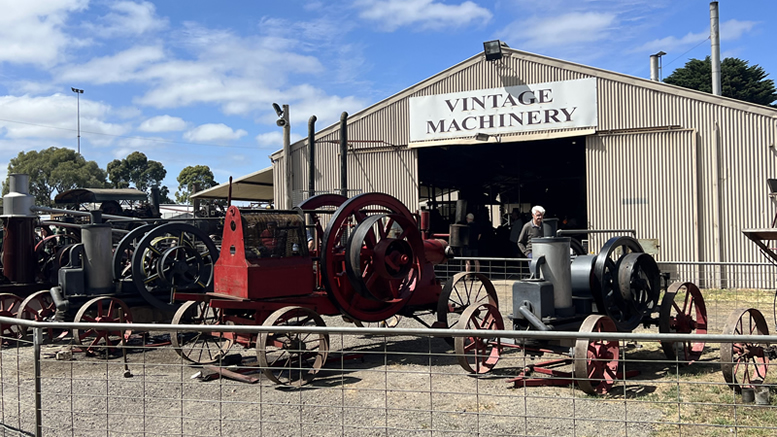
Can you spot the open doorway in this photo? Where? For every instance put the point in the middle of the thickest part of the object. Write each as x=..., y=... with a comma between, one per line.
x=494, y=178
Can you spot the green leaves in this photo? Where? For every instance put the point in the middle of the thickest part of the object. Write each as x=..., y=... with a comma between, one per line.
x=189, y=176
x=55, y=170
x=738, y=80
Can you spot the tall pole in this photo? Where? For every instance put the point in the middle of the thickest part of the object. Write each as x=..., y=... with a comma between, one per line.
x=287, y=157
x=78, y=106
x=715, y=42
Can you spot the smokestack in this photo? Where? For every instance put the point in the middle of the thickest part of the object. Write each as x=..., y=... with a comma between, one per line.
x=654, y=68
x=344, y=154
x=715, y=41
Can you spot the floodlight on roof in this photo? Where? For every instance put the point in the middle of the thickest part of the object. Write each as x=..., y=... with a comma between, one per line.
x=493, y=50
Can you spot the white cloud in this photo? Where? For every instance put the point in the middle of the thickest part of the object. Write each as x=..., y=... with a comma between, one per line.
x=734, y=29
x=213, y=132
x=162, y=123
x=537, y=33
x=55, y=116
x=128, y=19
x=31, y=31
x=270, y=140
x=421, y=14
x=121, y=67
x=730, y=30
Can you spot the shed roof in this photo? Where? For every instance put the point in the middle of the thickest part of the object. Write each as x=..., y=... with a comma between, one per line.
x=257, y=186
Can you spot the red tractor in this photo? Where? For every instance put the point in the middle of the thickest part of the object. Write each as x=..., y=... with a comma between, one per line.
x=371, y=263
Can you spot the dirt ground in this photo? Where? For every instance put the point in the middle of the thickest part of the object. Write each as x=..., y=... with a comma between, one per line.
x=371, y=385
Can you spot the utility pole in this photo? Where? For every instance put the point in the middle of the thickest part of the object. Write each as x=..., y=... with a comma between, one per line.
x=78, y=105
x=283, y=121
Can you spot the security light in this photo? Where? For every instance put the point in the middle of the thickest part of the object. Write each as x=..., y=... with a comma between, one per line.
x=482, y=137
x=493, y=50
x=278, y=109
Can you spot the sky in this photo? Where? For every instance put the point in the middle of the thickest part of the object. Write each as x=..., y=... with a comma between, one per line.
x=192, y=82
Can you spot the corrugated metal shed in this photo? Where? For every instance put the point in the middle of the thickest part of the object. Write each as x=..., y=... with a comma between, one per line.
x=685, y=167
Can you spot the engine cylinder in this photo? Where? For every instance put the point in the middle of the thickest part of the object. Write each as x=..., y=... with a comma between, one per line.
x=98, y=257
x=556, y=270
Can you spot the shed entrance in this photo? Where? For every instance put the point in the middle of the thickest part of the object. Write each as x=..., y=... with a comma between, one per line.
x=495, y=178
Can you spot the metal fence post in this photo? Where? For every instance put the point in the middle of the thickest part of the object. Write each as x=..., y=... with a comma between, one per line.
x=37, y=337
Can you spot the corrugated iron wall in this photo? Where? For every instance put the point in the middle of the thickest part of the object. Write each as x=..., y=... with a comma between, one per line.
x=734, y=152
x=646, y=182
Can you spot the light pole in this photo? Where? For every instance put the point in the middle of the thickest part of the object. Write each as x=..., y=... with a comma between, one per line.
x=78, y=103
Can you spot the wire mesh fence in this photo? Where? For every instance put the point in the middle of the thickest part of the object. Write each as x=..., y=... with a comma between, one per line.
x=399, y=381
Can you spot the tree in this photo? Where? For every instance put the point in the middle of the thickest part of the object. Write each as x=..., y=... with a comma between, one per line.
x=136, y=169
x=200, y=175
x=738, y=80
x=54, y=170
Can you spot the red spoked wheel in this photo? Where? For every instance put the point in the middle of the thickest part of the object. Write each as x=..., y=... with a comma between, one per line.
x=39, y=307
x=316, y=206
x=459, y=293
x=292, y=358
x=479, y=354
x=596, y=361
x=380, y=260
x=197, y=346
x=9, y=307
x=683, y=311
x=744, y=364
x=361, y=301
x=102, y=310
x=48, y=253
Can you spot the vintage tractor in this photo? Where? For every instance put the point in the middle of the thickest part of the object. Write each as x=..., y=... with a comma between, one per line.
x=369, y=264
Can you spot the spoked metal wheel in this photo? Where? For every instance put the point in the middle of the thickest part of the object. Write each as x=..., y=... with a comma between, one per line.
x=200, y=347
x=122, y=255
x=369, y=220
x=460, y=292
x=316, y=206
x=9, y=307
x=102, y=310
x=596, y=361
x=39, y=307
x=744, y=364
x=48, y=254
x=683, y=311
x=479, y=354
x=619, y=261
x=189, y=257
x=292, y=358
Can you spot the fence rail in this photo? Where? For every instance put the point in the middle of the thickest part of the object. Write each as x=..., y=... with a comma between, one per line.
x=377, y=381
x=728, y=275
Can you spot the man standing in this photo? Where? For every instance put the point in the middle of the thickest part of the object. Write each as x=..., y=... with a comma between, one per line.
x=532, y=229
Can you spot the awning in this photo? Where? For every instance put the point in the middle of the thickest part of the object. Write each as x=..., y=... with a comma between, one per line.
x=94, y=195
x=257, y=186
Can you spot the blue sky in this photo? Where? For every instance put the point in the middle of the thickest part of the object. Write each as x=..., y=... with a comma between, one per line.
x=192, y=82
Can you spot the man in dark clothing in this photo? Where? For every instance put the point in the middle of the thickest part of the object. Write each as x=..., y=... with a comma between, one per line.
x=532, y=229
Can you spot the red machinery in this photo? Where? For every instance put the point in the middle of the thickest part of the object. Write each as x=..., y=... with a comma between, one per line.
x=369, y=264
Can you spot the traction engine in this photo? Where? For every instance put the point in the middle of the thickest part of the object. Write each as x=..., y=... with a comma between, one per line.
x=369, y=264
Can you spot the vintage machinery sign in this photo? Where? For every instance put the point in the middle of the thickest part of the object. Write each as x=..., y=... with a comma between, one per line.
x=522, y=108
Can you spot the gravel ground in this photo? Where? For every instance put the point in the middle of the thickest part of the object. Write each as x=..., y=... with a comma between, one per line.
x=372, y=386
